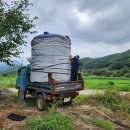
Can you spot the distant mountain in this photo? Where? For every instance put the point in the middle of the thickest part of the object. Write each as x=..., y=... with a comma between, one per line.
x=9, y=70
x=112, y=65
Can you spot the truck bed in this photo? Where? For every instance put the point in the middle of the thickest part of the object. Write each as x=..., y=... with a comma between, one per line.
x=57, y=87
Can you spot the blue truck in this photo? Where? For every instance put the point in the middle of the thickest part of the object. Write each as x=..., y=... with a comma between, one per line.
x=47, y=92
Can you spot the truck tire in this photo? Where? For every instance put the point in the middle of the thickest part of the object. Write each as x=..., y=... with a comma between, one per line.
x=41, y=103
x=21, y=95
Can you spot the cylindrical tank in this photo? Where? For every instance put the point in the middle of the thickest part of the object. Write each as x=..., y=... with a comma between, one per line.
x=50, y=53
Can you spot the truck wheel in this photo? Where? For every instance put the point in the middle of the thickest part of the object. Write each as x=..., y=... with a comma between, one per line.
x=21, y=95
x=41, y=102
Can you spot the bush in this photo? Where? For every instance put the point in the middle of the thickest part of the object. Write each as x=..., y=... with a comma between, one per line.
x=127, y=75
x=110, y=83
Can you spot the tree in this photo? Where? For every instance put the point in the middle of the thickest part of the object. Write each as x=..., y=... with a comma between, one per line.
x=15, y=25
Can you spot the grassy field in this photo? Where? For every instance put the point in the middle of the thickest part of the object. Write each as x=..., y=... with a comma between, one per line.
x=89, y=83
x=107, y=83
x=7, y=81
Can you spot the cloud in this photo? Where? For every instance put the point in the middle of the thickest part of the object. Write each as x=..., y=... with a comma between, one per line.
x=96, y=28
x=97, y=50
x=88, y=20
x=107, y=22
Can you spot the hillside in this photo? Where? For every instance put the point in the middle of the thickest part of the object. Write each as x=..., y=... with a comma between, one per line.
x=116, y=65
x=9, y=70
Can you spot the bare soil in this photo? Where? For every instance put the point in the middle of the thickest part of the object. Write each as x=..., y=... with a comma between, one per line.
x=82, y=115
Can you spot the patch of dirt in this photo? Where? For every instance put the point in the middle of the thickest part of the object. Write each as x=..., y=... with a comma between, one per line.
x=82, y=115
x=4, y=92
x=5, y=101
x=8, y=106
x=7, y=124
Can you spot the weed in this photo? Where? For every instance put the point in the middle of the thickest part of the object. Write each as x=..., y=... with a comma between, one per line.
x=13, y=96
x=81, y=99
x=106, y=125
x=110, y=99
x=52, y=107
x=29, y=102
x=50, y=122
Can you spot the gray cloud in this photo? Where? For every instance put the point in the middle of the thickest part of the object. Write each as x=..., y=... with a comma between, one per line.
x=92, y=21
x=96, y=27
x=111, y=24
x=95, y=6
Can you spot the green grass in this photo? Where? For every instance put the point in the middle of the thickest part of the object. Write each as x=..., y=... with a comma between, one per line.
x=89, y=83
x=104, y=124
x=107, y=83
x=79, y=100
x=13, y=96
x=29, y=102
x=50, y=122
x=110, y=99
x=7, y=81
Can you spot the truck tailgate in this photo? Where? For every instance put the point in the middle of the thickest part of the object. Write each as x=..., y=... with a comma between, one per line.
x=71, y=86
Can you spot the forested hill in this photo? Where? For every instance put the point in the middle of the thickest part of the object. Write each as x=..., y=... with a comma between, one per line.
x=116, y=65
x=9, y=70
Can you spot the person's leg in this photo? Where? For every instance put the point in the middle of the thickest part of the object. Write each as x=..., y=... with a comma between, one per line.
x=72, y=75
x=76, y=75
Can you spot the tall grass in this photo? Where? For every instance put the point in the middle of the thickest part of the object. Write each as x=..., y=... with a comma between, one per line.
x=13, y=96
x=79, y=100
x=50, y=122
x=110, y=99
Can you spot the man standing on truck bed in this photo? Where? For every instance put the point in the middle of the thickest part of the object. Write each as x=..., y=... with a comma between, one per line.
x=74, y=67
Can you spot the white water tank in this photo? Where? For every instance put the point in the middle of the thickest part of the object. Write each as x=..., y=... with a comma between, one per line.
x=50, y=53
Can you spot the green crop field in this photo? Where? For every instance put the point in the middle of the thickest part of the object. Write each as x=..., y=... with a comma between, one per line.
x=7, y=81
x=89, y=83
x=107, y=83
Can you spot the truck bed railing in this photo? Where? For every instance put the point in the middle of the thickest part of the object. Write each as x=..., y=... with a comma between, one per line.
x=57, y=87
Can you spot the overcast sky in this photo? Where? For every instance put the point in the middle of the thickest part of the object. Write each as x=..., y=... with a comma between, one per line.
x=95, y=27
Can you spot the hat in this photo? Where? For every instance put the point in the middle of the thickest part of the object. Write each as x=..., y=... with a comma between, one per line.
x=77, y=56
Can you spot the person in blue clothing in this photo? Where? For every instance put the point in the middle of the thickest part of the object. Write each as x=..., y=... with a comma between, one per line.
x=75, y=62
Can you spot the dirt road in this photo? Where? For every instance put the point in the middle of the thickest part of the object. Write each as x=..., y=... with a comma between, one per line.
x=83, y=92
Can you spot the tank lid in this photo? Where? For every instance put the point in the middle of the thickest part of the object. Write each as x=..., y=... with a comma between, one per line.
x=46, y=33
x=49, y=35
